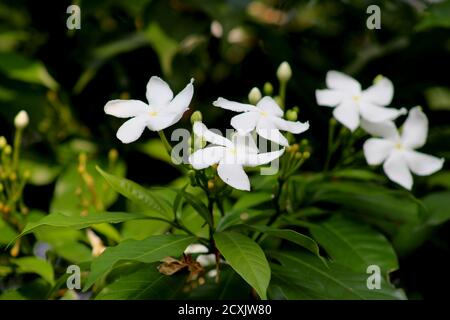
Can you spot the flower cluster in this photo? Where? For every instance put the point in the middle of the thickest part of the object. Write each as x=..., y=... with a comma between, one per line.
x=367, y=109
x=230, y=155
x=353, y=107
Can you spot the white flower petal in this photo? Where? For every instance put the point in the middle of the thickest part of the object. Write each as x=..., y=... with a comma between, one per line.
x=267, y=129
x=268, y=105
x=387, y=129
x=245, y=122
x=244, y=143
x=202, y=131
x=397, y=170
x=233, y=106
x=377, y=150
x=380, y=93
x=347, y=113
x=132, y=129
x=329, y=98
x=415, y=129
x=181, y=102
x=253, y=160
x=126, y=108
x=196, y=248
x=340, y=81
x=206, y=157
x=158, y=92
x=233, y=175
x=423, y=164
x=290, y=126
x=374, y=113
x=160, y=121
x=207, y=260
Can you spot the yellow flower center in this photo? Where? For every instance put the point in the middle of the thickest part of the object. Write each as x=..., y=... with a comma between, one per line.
x=357, y=99
x=153, y=113
x=263, y=113
x=398, y=146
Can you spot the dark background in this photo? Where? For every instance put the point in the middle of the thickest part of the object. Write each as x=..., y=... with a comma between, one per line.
x=114, y=54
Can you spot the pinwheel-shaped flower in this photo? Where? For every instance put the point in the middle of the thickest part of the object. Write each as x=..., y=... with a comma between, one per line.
x=265, y=117
x=230, y=155
x=351, y=102
x=396, y=151
x=162, y=110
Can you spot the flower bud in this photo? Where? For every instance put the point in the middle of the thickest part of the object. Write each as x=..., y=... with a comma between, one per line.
x=254, y=96
x=268, y=89
x=21, y=120
x=284, y=72
x=291, y=115
x=113, y=154
x=196, y=116
x=306, y=155
x=3, y=142
x=7, y=150
x=278, y=100
x=377, y=79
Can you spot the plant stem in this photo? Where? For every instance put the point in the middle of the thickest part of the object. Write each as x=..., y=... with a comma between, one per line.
x=165, y=142
x=16, y=152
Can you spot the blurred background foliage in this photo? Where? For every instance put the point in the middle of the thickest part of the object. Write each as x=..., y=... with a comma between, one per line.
x=64, y=77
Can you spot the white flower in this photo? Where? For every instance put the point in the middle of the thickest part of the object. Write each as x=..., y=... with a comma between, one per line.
x=21, y=120
x=396, y=151
x=196, y=248
x=231, y=155
x=351, y=102
x=266, y=117
x=162, y=110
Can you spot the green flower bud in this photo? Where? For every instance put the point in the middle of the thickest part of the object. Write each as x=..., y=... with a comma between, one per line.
x=196, y=116
x=377, y=79
x=284, y=72
x=113, y=155
x=7, y=150
x=268, y=89
x=3, y=142
x=254, y=95
x=291, y=115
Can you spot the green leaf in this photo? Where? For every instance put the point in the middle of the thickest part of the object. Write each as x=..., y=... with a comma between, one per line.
x=79, y=222
x=375, y=202
x=137, y=193
x=303, y=276
x=147, y=283
x=240, y=217
x=7, y=233
x=437, y=16
x=438, y=205
x=149, y=250
x=165, y=47
x=253, y=199
x=197, y=204
x=247, y=258
x=36, y=265
x=155, y=149
x=292, y=236
x=21, y=68
x=355, y=245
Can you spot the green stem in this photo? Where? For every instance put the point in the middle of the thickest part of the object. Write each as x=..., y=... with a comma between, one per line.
x=16, y=151
x=282, y=94
x=165, y=142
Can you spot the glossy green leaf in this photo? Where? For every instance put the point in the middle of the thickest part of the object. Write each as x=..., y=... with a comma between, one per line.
x=149, y=250
x=290, y=235
x=36, y=265
x=438, y=205
x=147, y=283
x=303, y=276
x=21, y=68
x=354, y=244
x=79, y=222
x=247, y=258
x=137, y=193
